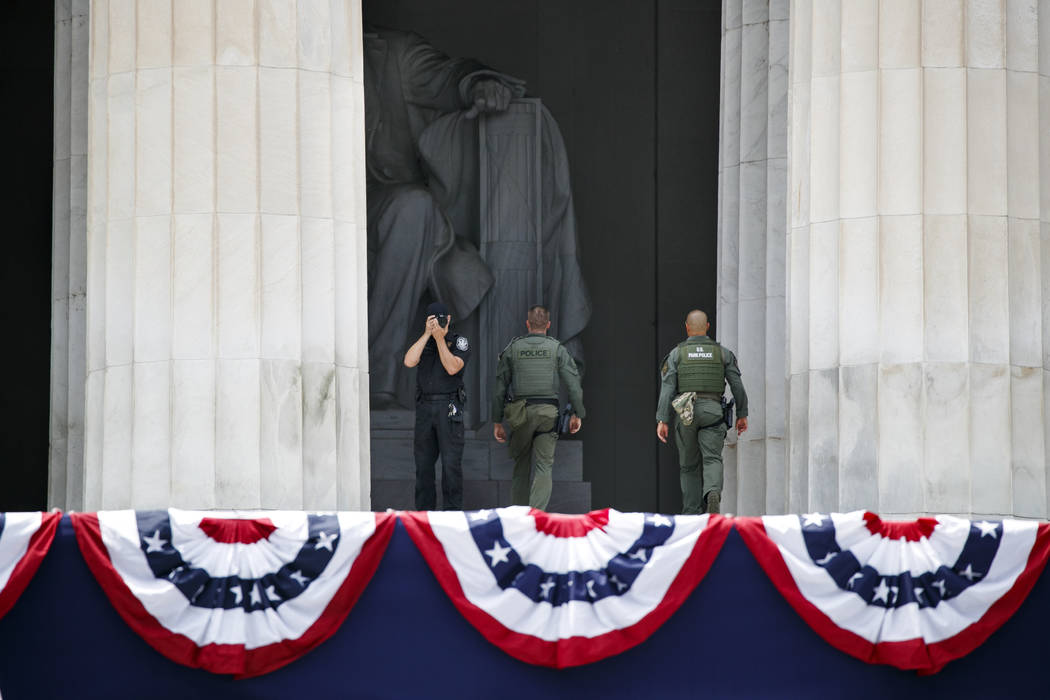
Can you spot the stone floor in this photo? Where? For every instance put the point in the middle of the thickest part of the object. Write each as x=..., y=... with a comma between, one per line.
x=486, y=468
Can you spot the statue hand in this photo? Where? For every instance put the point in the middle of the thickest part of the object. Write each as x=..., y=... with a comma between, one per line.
x=489, y=95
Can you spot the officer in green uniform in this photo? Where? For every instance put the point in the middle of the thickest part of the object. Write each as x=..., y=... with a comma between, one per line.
x=531, y=366
x=702, y=366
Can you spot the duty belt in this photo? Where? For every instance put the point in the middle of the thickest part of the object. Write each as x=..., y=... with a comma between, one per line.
x=709, y=395
x=438, y=397
x=544, y=402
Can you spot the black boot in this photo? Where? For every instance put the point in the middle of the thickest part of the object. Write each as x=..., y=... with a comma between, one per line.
x=714, y=502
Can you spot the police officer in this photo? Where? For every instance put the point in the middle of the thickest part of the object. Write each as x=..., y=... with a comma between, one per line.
x=531, y=366
x=441, y=356
x=700, y=365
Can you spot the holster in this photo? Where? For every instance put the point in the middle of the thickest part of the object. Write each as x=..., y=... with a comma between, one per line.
x=727, y=411
x=562, y=427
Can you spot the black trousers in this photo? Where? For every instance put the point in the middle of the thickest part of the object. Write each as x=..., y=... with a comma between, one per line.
x=437, y=433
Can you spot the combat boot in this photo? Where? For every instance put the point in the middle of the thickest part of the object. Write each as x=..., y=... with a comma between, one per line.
x=714, y=502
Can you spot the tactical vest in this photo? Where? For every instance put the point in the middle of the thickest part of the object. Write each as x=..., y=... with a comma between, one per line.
x=700, y=367
x=534, y=367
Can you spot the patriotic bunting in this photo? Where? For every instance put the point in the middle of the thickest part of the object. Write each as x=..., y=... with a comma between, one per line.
x=24, y=540
x=914, y=595
x=233, y=593
x=566, y=590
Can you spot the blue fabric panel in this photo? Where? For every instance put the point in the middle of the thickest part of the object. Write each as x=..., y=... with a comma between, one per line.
x=734, y=637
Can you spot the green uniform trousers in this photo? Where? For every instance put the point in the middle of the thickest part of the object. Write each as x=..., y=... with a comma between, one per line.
x=531, y=433
x=700, y=454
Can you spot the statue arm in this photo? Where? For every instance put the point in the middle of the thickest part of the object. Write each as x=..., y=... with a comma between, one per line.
x=433, y=80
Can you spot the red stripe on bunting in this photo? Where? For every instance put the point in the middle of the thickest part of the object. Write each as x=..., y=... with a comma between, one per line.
x=237, y=530
x=560, y=525
x=913, y=654
x=910, y=530
x=25, y=569
x=573, y=651
x=229, y=658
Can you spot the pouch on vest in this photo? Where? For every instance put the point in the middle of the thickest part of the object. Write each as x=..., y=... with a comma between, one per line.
x=683, y=406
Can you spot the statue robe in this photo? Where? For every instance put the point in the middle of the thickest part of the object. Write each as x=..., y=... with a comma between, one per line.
x=422, y=164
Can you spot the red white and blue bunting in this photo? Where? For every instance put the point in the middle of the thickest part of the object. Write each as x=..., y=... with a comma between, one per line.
x=566, y=590
x=914, y=595
x=24, y=540
x=232, y=592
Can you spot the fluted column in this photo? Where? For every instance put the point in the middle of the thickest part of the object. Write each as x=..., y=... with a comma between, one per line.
x=919, y=256
x=225, y=256
x=69, y=262
x=751, y=243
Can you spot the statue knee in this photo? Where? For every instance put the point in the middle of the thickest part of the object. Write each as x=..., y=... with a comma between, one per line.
x=415, y=202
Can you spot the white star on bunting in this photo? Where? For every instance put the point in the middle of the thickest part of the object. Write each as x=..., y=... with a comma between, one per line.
x=237, y=595
x=969, y=573
x=498, y=553
x=640, y=554
x=853, y=579
x=324, y=541
x=620, y=585
x=480, y=515
x=546, y=587
x=881, y=592
x=940, y=586
x=813, y=519
x=155, y=543
x=828, y=557
x=272, y=594
x=660, y=520
x=590, y=589
x=299, y=578
x=987, y=528
x=256, y=596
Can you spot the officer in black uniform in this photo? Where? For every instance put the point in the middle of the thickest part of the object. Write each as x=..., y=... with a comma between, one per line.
x=441, y=356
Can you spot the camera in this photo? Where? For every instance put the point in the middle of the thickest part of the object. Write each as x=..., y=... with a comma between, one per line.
x=442, y=320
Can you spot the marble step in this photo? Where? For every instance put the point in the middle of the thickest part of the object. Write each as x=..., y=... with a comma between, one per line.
x=399, y=494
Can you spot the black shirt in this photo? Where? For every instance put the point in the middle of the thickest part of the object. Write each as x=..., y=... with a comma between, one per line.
x=431, y=377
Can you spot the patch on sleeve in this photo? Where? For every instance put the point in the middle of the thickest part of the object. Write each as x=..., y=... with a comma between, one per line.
x=663, y=370
x=461, y=344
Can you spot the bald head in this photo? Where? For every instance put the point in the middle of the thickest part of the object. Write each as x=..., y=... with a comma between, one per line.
x=696, y=323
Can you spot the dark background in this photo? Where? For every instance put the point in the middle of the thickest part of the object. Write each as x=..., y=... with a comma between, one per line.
x=27, y=31
x=634, y=86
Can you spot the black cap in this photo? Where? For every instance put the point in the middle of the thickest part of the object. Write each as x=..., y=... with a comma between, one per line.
x=437, y=309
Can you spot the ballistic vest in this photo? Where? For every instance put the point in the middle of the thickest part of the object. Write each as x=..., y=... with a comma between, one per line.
x=534, y=367
x=700, y=367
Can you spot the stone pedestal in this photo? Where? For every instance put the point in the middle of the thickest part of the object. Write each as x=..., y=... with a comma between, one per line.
x=225, y=256
x=919, y=256
x=487, y=468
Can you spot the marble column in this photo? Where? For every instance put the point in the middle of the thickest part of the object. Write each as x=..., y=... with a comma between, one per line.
x=751, y=244
x=919, y=256
x=226, y=335
x=69, y=260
